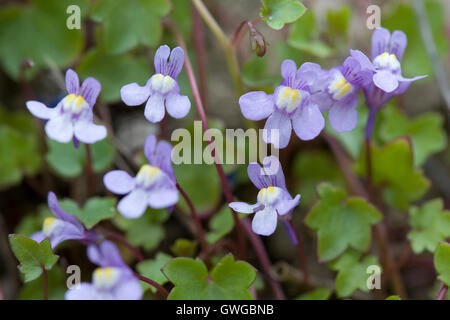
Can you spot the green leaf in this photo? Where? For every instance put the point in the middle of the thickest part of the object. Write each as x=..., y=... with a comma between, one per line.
x=339, y=21
x=276, y=13
x=341, y=222
x=19, y=148
x=32, y=256
x=228, y=280
x=416, y=60
x=309, y=169
x=95, y=210
x=430, y=225
x=393, y=298
x=69, y=161
x=392, y=168
x=38, y=31
x=426, y=132
x=152, y=270
x=146, y=231
x=304, y=36
x=56, y=287
x=113, y=72
x=129, y=23
x=442, y=262
x=352, y=273
x=220, y=225
x=316, y=294
x=184, y=248
x=33, y=221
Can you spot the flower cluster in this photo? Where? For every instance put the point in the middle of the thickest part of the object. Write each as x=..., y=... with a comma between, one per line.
x=306, y=93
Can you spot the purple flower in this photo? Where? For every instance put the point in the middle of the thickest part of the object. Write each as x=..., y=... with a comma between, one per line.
x=73, y=116
x=153, y=186
x=341, y=85
x=291, y=105
x=113, y=280
x=63, y=226
x=387, y=53
x=273, y=197
x=162, y=89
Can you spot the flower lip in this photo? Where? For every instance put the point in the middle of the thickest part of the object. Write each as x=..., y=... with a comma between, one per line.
x=147, y=176
x=340, y=87
x=162, y=83
x=106, y=278
x=268, y=196
x=289, y=99
x=74, y=104
x=49, y=225
x=388, y=61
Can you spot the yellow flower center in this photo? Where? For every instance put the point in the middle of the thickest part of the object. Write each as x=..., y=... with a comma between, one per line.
x=340, y=87
x=268, y=195
x=49, y=225
x=162, y=84
x=387, y=61
x=289, y=99
x=105, y=277
x=74, y=103
x=147, y=175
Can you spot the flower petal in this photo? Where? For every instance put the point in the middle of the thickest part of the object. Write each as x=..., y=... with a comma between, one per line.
x=118, y=182
x=60, y=128
x=160, y=60
x=105, y=254
x=380, y=41
x=88, y=132
x=40, y=110
x=286, y=206
x=398, y=44
x=385, y=80
x=133, y=205
x=65, y=231
x=128, y=288
x=362, y=59
x=59, y=212
x=343, y=115
x=265, y=221
x=277, y=130
x=288, y=70
x=154, y=109
x=308, y=122
x=84, y=291
x=243, y=207
x=162, y=198
x=72, y=82
x=177, y=105
x=133, y=94
x=256, y=105
x=257, y=177
x=274, y=171
x=176, y=62
x=90, y=89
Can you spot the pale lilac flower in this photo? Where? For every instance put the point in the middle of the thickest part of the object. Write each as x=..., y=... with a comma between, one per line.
x=73, y=116
x=291, y=106
x=153, y=186
x=387, y=80
x=63, y=226
x=273, y=198
x=162, y=90
x=113, y=280
x=341, y=85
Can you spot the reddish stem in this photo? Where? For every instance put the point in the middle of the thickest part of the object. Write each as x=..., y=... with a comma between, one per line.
x=200, y=51
x=45, y=278
x=122, y=240
x=302, y=261
x=442, y=292
x=162, y=291
x=240, y=223
x=90, y=175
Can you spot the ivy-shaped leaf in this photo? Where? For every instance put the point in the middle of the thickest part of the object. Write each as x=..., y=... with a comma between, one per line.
x=113, y=72
x=430, y=225
x=19, y=147
x=316, y=294
x=69, y=161
x=305, y=37
x=352, y=273
x=442, y=262
x=152, y=269
x=129, y=23
x=341, y=222
x=220, y=225
x=393, y=170
x=426, y=132
x=276, y=13
x=37, y=31
x=33, y=256
x=146, y=231
x=56, y=286
x=95, y=210
x=228, y=280
x=184, y=248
